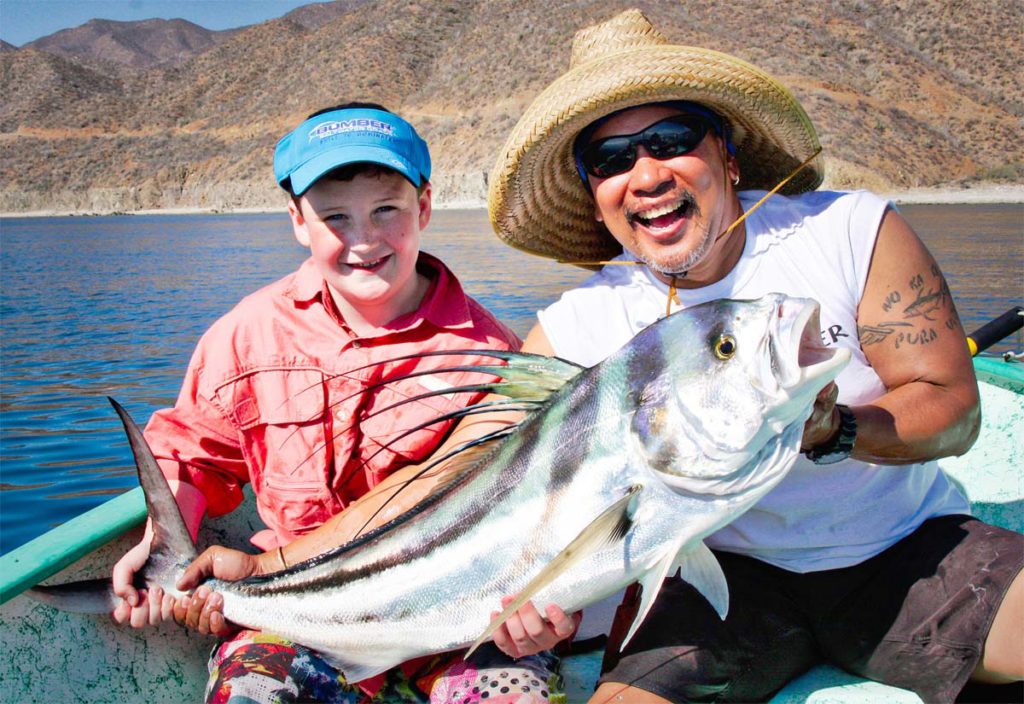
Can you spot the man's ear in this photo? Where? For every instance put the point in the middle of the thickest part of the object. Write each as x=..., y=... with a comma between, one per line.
x=298, y=221
x=732, y=164
x=426, y=206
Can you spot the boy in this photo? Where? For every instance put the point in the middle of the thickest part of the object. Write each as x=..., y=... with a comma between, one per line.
x=271, y=398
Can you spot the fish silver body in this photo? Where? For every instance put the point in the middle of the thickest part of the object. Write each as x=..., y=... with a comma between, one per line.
x=616, y=478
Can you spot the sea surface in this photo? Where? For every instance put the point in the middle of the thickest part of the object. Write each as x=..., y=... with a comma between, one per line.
x=92, y=307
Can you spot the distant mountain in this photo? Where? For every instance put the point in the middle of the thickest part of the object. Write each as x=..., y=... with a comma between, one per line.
x=4, y=46
x=140, y=45
x=903, y=94
x=317, y=14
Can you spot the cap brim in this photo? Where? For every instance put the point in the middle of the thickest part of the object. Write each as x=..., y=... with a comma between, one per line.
x=307, y=174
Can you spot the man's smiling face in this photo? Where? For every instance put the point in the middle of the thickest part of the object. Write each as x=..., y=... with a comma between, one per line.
x=667, y=212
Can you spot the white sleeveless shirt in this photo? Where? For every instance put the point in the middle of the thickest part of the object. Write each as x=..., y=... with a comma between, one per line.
x=817, y=245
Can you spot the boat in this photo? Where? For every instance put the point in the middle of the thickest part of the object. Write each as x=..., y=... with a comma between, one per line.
x=51, y=655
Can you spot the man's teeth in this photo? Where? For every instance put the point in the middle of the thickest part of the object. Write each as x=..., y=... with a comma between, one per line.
x=649, y=215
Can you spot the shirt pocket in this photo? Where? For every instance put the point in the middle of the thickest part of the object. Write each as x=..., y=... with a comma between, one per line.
x=284, y=418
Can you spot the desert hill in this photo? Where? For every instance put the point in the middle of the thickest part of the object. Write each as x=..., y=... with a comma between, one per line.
x=136, y=45
x=904, y=93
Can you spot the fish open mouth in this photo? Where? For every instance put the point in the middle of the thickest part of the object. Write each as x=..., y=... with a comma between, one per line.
x=800, y=356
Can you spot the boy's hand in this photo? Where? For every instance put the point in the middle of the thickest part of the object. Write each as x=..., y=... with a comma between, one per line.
x=138, y=608
x=526, y=632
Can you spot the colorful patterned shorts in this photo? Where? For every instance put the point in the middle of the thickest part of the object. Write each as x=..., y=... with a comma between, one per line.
x=261, y=668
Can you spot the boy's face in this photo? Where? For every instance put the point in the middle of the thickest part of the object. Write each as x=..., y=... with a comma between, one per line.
x=364, y=235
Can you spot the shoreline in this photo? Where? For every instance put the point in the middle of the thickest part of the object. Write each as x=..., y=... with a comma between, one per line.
x=1008, y=194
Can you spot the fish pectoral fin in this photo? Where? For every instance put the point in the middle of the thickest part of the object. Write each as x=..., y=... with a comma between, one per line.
x=609, y=527
x=700, y=568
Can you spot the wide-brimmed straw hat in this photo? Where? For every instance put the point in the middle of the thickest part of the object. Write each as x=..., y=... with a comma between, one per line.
x=536, y=199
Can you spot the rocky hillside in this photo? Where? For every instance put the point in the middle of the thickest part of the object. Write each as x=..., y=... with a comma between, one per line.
x=904, y=93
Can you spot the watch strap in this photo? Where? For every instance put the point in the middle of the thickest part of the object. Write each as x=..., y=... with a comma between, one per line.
x=841, y=444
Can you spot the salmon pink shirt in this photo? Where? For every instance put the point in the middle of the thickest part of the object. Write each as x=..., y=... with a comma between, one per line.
x=281, y=393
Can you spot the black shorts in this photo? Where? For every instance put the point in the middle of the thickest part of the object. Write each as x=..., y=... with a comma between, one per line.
x=915, y=616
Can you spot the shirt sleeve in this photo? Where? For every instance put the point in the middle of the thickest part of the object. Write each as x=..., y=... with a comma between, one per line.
x=196, y=443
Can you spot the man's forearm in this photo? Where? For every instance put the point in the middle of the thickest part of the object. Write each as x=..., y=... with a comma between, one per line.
x=917, y=422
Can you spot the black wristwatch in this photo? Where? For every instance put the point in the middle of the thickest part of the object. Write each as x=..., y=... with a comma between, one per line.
x=841, y=445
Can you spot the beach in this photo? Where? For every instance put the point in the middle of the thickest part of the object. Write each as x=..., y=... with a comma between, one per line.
x=982, y=193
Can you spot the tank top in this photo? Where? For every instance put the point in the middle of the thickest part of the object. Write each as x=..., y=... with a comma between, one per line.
x=817, y=245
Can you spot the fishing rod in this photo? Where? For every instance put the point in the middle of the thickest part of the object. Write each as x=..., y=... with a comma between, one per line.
x=995, y=330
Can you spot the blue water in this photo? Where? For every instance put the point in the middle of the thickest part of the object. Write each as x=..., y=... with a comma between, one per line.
x=112, y=306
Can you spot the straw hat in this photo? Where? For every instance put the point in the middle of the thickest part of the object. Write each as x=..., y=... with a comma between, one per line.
x=536, y=199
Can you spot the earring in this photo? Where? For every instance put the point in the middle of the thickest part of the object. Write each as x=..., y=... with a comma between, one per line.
x=736, y=180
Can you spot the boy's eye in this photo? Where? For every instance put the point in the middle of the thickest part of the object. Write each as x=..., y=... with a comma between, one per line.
x=336, y=217
x=386, y=209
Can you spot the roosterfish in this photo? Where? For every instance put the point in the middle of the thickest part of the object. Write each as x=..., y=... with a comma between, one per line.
x=615, y=474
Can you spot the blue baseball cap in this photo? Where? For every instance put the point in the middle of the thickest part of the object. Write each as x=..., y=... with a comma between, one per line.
x=340, y=137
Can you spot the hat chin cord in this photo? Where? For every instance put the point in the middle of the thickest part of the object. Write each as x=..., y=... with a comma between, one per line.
x=679, y=275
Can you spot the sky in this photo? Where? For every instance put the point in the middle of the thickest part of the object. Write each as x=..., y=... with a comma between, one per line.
x=21, y=21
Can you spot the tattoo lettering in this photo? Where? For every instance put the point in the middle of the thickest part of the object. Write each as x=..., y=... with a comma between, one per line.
x=921, y=337
x=927, y=299
x=892, y=299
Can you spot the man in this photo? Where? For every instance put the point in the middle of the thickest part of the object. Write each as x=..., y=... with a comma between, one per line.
x=657, y=157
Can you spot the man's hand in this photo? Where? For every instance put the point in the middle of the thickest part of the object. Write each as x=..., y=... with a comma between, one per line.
x=526, y=632
x=824, y=421
x=203, y=610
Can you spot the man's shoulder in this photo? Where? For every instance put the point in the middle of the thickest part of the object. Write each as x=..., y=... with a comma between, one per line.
x=814, y=202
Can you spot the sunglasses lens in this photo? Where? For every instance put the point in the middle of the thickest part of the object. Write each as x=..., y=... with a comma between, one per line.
x=609, y=157
x=673, y=136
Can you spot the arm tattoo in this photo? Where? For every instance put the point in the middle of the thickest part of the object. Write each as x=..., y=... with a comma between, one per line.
x=926, y=307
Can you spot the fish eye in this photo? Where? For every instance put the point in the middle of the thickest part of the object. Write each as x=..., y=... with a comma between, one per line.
x=725, y=346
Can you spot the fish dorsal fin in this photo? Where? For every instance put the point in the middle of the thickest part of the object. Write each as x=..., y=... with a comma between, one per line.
x=170, y=535
x=609, y=527
x=537, y=371
x=698, y=566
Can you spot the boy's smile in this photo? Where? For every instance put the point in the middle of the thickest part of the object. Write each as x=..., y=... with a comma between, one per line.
x=364, y=235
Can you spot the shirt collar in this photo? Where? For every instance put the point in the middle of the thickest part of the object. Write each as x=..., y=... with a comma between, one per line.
x=307, y=283
x=444, y=305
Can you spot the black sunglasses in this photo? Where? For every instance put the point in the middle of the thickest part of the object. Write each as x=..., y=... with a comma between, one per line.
x=673, y=136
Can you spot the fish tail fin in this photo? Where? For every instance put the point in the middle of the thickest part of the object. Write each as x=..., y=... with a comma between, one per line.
x=91, y=596
x=171, y=546
x=170, y=533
